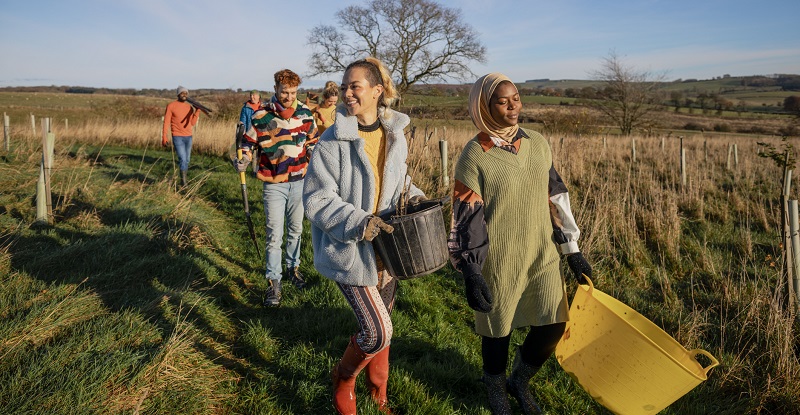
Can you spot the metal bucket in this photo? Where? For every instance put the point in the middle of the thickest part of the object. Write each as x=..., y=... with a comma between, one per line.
x=623, y=360
x=418, y=245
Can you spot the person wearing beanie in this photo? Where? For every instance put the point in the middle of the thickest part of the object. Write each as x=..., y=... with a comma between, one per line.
x=249, y=108
x=280, y=138
x=179, y=121
x=511, y=216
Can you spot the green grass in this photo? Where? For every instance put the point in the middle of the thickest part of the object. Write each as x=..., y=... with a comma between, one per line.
x=140, y=298
x=163, y=292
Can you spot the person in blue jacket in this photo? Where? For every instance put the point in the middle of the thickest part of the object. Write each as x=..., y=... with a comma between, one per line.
x=249, y=108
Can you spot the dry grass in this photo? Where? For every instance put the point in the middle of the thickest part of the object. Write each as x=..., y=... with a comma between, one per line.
x=700, y=248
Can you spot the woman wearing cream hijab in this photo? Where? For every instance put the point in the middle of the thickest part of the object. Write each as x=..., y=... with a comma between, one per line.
x=509, y=205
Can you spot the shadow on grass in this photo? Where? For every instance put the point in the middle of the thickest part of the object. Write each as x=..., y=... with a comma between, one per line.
x=143, y=263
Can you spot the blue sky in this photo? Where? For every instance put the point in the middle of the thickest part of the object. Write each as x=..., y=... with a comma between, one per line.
x=240, y=44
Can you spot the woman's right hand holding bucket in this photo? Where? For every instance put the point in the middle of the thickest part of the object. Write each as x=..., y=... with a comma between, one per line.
x=374, y=226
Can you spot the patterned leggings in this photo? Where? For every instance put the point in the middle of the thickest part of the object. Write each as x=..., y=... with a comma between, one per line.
x=373, y=308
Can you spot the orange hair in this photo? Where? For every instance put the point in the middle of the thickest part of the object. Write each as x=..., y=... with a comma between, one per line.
x=287, y=77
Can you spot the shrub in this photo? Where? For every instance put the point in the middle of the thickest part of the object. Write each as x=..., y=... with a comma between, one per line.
x=722, y=128
x=757, y=129
x=228, y=106
x=127, y=107
x=790, y=131
x=560, y=121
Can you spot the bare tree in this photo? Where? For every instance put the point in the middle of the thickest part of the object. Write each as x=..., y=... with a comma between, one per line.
x=628, y=96
x=418, y=40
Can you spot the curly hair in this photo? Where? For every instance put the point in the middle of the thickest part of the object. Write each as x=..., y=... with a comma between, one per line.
x=287, y=77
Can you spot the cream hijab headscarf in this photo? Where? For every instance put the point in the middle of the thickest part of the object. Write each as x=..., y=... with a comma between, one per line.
x=479, y=97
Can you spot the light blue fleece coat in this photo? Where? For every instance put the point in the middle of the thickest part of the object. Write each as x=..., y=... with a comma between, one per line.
x=339, y=193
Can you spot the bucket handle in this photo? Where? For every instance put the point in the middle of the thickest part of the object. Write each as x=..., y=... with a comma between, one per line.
x=714, y=361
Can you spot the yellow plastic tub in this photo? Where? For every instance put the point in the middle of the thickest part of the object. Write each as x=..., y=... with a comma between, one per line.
x=623, y=360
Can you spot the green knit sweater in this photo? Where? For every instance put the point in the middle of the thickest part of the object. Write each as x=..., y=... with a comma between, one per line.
x=522, y=265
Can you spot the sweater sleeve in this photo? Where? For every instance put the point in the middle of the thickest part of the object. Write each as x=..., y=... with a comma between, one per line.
x=195, y=115
x=165, y=131
x=468, y=243
x=256, y=131
x=565, y=229
x=244, y=115
x=312, y=136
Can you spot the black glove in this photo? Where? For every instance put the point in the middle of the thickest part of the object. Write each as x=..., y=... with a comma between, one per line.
x=241, y=164
x=479, y=297
x=374, y=226
x=580, y=267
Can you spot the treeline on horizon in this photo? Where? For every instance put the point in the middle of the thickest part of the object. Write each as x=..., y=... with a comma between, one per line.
x=786, y=82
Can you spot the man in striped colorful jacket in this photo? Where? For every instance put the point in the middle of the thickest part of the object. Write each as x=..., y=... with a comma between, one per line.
x=283, y=134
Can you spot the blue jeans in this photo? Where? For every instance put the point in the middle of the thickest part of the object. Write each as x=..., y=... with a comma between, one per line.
x=183, y=146
x=283, y=202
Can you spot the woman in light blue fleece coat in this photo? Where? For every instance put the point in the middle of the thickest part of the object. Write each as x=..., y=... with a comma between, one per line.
x=356, y=173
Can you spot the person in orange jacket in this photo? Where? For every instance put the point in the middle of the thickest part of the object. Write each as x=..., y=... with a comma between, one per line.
x=179, y=120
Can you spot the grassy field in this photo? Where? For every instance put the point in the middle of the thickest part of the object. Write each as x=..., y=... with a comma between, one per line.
x=142, y=299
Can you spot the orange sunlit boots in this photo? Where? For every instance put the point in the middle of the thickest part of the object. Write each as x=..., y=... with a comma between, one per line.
x=344, y=377
x=377, y=378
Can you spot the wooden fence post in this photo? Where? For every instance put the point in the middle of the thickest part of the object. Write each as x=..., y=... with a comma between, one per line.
x=736, y=155
x=633, y=149
x=33, y=124
x=66, y=125
x=44, y=200
x=683, y=167
x=730, y=152
x=445, y=171
x=794, y=258
x=786, y=269
x=705, y=150
x=6, y=132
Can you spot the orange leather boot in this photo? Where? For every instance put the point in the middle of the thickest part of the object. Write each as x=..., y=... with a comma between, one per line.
x=377, y=379
x=344, y=377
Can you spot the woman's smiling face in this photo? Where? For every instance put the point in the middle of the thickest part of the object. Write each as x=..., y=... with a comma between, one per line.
x=358, y=96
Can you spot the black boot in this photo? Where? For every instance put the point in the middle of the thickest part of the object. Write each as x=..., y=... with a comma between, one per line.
x=498, y=397
x=272, y=298
x=521, y=375
x=183, y=178
x=294, y=275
